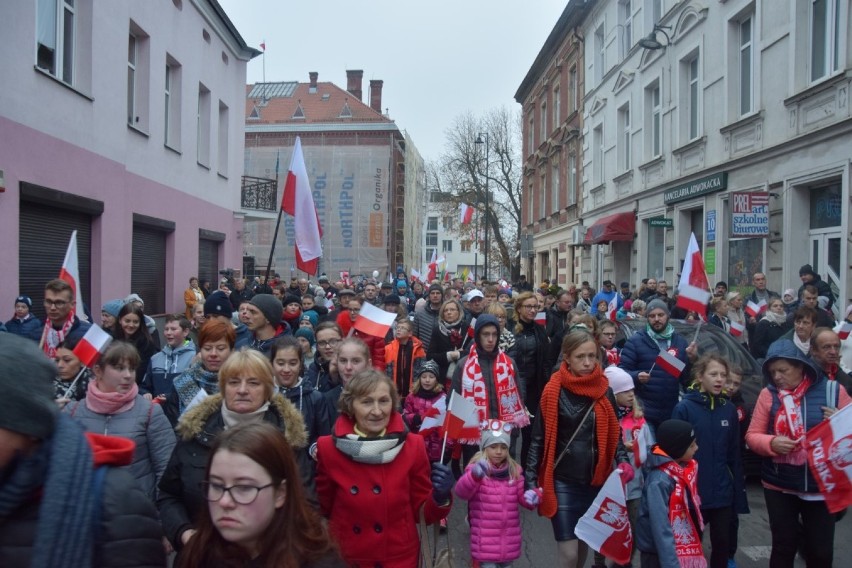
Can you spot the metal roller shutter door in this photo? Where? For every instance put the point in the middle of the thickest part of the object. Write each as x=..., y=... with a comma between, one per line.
x=208, y=262
x=148, y=268
x=43, y=239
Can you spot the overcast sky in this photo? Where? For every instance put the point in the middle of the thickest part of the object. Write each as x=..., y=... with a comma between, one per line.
x=437, y=59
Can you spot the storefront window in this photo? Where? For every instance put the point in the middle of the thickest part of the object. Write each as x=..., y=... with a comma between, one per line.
x=825, y=206
x=656, y=252
x=745, y=257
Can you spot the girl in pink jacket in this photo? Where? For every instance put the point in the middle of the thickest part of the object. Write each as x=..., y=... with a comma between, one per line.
x=493, y=483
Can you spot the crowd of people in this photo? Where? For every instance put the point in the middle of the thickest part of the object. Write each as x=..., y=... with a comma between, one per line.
x=263, y=427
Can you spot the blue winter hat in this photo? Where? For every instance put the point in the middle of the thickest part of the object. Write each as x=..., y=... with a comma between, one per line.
x=113, y=307
x=311, y=316
x=25, y=300
x=401, y=284
x=307, y=334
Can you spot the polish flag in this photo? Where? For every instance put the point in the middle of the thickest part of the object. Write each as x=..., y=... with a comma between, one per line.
x=829, y=447
x=462, y=419
x=470, y=327
x=433, y=267
x=641, y=443
x=298, y=201
x=844, y=330
x=755, y=310
x=541, y=318
x=466, y=214
x=612, y=308
x=415, y=274
x=90, y=347
x=344, y=276
x=373, y=321
x=737, y=328
x=669, y=363
x=694, y=287
x=605, y=526
x=435, y=417
x=70, y=273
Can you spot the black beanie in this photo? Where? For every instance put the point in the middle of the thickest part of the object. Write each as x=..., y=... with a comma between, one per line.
x=807, y=269
x=292, y=299
x=270, y=307
x=674, y=437
x=26, y=376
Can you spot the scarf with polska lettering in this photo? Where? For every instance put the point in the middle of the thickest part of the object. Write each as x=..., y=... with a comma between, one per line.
x=510, y=408
x=51, y=338
x=686, y=521
x=789, y=421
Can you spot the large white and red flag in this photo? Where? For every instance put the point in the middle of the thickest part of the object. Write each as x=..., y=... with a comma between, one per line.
x=693, y=291
x=541, y=318
x=612, y=308
x=433, y=419
x=829, y=446
x=737, y=328
x=641, y=436
x=298, y=201
x=844, y=330
x=432, y=270
x=373, y=321
x=755, y=310
x=415, y=274
x=669, y=363
x=606, y=526
x=90, y=347
x=466, y=214
x=462, y=418
x=70, y=273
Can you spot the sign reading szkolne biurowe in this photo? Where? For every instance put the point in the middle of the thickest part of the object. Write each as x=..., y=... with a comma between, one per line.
x=701, y=186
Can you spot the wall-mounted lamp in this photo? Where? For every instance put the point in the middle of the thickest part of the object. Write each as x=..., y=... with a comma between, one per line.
x=775, y=195
x=651, y=42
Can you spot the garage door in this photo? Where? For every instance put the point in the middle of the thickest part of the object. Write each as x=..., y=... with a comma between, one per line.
x=43, y=239
x=208, y=262
x=148, y=268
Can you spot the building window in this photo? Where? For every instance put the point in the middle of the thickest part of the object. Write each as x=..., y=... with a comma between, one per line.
x=824, y=37
x=431, y=239
x=446, y=245
x=138, y=77
x=554, y=187
x=531, y=203
x=465, y=245
x=447, y=222
x=172, y=103
x=203, y=126
x=627, y=14
x=432, y=224
x=746, y=65
x=222, y=159
x=543, y=123
x=131, y=79
x=572, y=88
x=542, y=196
x=600, y=54
x=691, y=98
x=597, y=155
x=656, y=252
x=653, y=118
x=572, y=179
x=624, y=138
x=56, y=43
x=531, y=135
x=557, y=108
x=429, y=253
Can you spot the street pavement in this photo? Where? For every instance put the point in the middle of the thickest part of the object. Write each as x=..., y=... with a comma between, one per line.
x=540, y=548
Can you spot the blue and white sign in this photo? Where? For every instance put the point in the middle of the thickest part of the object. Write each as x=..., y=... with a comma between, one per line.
x=710, y=232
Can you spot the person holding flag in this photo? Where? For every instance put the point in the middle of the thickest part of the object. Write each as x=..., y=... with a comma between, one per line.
x=658, y=358
x=60, y=305
x=73, y=377
x=425, y=407
x=796, y=399
x=576, y=443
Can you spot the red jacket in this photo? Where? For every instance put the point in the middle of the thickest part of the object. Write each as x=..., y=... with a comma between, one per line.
x=373, y=508
x=377, y=349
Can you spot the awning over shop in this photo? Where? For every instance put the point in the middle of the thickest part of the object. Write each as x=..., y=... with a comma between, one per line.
x=616, y=227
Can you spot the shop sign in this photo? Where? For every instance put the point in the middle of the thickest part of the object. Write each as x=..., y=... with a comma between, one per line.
x=710, y=223
x=661, y=222
x=710, y=260
x=702, y=186
x=750, y=214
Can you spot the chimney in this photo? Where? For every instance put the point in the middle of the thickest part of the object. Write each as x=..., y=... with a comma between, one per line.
x=313, y=75
x=376, y=95
x=353, y=82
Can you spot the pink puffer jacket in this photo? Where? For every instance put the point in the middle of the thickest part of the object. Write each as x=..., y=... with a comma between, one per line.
x=495, y=521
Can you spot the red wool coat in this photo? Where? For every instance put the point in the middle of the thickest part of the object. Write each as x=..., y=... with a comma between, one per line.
x=373, y=508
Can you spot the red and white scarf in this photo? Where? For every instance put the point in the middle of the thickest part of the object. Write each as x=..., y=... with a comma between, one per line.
x=51, y=338
x=687, y=536
x=511, y=407
x=789, y=421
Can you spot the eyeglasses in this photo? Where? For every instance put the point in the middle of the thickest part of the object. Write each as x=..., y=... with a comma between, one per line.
x=241, y=494
x=354, y=310
x=610, y=334
x=530, y=306
x=329, y=343
x=55, y=304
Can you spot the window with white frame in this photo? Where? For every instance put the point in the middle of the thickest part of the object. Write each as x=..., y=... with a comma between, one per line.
x=554, y=187
x=531, y=135
x=691, y=98
x=542, y=196
x=624, y=136
x=557, y=107
x=597, y=155
x=203, y=126
x=543, y=122
x=572, y=179
x=222, y=158
x=56, y=38
x=447, y=222
x=745, y=62
x=573, y=88
x=132, y=58
x=432, y=240
x=172, y=95
x=628, y=11
x=138, y=77
x=432, y=224
x=653, y=120
x=600, y=54
x=825, y=30
x=531, y=203
x=464, y=245
x=446, y=245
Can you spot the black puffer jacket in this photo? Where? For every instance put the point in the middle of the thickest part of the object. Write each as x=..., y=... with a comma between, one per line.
x=578, y=465
x=180, y=499
x=531, y=349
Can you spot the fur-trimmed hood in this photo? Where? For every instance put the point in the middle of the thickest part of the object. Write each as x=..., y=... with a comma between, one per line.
x=206, y=417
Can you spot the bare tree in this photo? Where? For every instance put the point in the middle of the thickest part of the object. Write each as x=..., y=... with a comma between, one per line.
x=460, y=173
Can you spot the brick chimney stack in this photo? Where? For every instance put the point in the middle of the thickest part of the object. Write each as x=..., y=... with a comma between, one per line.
x=313, y=75
x=376, y=95
x=353, y=82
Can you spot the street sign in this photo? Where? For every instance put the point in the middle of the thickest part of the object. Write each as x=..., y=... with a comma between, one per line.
x=711, y=226
x=661, y=222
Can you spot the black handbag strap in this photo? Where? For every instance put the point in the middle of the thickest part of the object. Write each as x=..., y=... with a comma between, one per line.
x=574, y=435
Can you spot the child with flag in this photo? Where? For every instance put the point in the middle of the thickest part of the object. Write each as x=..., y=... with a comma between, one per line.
x=493, y=484
x=424, y=406
x=668, y=530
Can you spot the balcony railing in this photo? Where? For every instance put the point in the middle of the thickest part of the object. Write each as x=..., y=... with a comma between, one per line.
x=259, y=193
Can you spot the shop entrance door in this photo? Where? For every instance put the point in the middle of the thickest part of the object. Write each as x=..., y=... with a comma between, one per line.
x=825, y=259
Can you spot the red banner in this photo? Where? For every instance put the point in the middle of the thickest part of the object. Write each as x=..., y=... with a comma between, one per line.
x=829, y=446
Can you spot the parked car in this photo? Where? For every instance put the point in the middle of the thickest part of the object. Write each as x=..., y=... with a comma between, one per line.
x=712, y=339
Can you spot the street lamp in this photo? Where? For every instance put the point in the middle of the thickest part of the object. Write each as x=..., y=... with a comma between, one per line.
x=651, y=42
x=479, y=140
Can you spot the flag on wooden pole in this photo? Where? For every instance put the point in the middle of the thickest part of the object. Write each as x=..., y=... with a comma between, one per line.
x=298, y=201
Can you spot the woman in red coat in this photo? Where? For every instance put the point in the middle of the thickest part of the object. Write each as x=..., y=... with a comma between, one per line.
x=373, y=478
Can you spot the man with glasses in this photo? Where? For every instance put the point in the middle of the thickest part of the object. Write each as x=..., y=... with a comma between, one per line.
x=62, y=322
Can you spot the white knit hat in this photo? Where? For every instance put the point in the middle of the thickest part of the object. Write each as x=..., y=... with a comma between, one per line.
x=495, y=432
x=619, y=379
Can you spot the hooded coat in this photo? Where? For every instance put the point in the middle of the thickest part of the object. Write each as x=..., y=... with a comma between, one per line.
x=165, y=366
x=181, y=500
